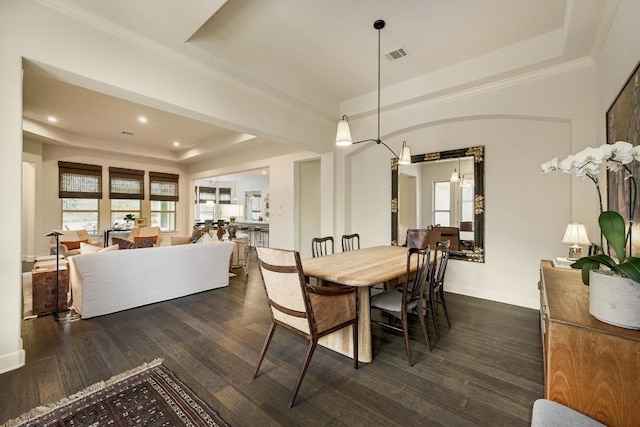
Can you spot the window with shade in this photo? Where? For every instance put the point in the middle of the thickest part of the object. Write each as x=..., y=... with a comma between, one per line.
x=442, y=203
x=206, y=203
x=126, y=192
x=80, y=191
x=163, y=193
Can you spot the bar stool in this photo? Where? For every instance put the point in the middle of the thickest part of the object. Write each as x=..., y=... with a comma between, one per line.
x=264, y=236
x=258, y=237
x=252, y=235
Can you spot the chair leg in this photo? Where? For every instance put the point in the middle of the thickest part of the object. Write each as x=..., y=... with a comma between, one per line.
x=431, y=304
x=405, y=330
x=303, y=371
x=267, y=341
x=423, y=324
x=444, y=305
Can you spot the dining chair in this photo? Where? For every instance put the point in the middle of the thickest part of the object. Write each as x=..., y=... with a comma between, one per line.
x=320, y=246
x=306, y=310
x=398, y=305
x=435, y=293
x=420, y=238
x=450, y=233
x=350, y=242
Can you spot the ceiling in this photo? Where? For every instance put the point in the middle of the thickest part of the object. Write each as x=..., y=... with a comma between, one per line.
x=318, y=54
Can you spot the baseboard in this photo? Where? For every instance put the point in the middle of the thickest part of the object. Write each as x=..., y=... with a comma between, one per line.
x=533, y=303
x=13, y=360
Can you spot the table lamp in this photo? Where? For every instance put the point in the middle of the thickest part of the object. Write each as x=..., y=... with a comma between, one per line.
x=575, y=235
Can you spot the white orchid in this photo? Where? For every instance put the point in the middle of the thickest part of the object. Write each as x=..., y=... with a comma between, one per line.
x=549, y=166
x=566, y=165
x=622, y=152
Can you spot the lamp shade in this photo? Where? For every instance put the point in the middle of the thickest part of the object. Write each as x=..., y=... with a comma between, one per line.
x=454, y=176
x=405, y=154
x=576, y=234
x=343, y=136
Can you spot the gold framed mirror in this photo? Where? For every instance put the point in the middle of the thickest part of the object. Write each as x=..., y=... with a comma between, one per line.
x=442, y=189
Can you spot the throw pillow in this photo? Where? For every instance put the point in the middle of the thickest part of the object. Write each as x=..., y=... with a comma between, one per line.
x=205, y=238
x=122, y=243
x=87, y=248
x=214, y=236
x=148, y=243
x=110, y=248
x=196, y=234
x=138, y=239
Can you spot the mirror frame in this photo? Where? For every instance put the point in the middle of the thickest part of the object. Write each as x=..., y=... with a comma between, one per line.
x=478, y=176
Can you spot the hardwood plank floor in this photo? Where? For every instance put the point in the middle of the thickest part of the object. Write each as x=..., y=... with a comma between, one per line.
x=485, y=371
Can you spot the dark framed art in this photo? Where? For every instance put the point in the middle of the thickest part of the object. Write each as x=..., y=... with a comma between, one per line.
x=623, y=124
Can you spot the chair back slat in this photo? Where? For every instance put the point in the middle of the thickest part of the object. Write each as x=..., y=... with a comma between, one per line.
x=321, y=246
x=415, y=283
x=350, y=242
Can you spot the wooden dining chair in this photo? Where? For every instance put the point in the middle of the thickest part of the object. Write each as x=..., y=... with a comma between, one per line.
x=350, y=242
x=321, y=246
x=309, y=311
x=399, y=305
x=420, y=238
x=435, y=292
x=450, y=233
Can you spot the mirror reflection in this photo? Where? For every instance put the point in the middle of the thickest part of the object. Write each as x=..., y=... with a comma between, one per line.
x=445, y=191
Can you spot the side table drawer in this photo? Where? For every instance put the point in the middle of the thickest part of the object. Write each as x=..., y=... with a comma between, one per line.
x=44, y=290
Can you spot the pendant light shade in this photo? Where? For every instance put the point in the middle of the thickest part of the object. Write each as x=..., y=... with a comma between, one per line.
x=405, y=154
x=454, y=176
x=343, y=136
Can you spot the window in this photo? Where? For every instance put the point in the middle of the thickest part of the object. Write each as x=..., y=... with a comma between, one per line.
x=80, y=214
x=80, y=189
x=468, y=211
x=126, y=190
x=442, y=203
x=163, y=192
x=206, y=203
x=122, y=207
x=163, y=215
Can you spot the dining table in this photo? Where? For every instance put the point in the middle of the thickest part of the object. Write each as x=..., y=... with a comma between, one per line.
x=362, y=268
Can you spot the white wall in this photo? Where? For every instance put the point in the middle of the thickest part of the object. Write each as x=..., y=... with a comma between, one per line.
x=521, y=126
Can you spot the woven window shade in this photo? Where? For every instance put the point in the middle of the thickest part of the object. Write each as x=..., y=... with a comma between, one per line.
x=79, y=181
x=163, y=186
x=206, y=193
x=126, y=184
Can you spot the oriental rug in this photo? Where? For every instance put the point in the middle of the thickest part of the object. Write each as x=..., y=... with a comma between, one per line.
x=149, y=395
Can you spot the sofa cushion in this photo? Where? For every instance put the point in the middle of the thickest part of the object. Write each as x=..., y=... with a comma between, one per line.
x=122, y=243
x=144, y=243
x=87, y=248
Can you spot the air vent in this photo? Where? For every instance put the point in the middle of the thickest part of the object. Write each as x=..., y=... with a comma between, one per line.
x=396, y=54
x=127, y=133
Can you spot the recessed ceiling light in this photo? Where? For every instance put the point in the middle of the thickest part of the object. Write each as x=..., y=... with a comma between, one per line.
x=52, y=119
x=176, y=143
x=142, y=119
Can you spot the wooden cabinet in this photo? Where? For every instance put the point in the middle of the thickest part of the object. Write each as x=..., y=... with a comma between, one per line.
x=590, y=366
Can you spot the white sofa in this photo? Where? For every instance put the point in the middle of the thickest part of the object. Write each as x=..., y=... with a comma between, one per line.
x=107, y=282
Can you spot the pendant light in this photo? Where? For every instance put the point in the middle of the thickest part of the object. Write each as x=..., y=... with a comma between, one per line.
x=343, y=135
x=455, y=177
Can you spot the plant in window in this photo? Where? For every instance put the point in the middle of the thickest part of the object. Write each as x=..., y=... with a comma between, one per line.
x=129, y=218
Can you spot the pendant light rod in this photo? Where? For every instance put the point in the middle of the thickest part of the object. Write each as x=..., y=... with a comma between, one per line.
x=343, y=136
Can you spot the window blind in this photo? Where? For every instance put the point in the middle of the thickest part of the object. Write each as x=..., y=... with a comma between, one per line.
x=206, y=193
x=79, y=181
x=126, y=183
x=163, y=186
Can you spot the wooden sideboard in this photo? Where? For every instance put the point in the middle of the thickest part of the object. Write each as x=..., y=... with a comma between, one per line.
x=590, y=366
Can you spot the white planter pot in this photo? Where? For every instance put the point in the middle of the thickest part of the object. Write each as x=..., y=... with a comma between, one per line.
x=614, y=299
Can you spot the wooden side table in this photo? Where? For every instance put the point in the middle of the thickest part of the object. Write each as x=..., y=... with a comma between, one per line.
x=43, y=282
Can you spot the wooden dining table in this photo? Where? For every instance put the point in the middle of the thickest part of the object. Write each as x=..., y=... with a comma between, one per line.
x=362, y=268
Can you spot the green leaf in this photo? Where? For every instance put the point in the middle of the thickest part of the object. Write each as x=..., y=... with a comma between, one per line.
x=631, y=268
x=613, y=227
x=599, y=258
x=587, y=265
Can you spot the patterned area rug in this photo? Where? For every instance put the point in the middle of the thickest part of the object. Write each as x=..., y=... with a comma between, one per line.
x=149, y=395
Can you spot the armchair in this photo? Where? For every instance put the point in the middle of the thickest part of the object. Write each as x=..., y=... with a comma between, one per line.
x=306, y=310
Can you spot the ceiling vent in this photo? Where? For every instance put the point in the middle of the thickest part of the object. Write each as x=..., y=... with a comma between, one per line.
x=396, y=54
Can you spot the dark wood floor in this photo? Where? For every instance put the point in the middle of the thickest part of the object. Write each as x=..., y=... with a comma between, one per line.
x=487, y=370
